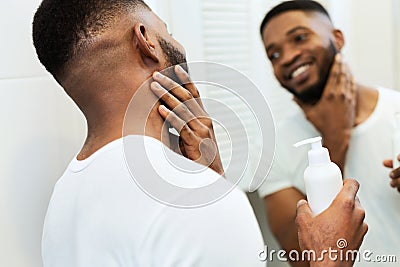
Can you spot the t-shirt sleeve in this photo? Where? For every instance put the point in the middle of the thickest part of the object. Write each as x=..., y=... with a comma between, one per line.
x=278, y=177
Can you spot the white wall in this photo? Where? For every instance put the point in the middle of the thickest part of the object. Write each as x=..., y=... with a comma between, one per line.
x=41, y=130
x=369, y=29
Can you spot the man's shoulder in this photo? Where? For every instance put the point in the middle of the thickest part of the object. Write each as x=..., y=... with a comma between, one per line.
x=294, y=128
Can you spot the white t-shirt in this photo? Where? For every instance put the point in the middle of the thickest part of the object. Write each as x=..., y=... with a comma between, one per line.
x=370, y=144
x=98, y=216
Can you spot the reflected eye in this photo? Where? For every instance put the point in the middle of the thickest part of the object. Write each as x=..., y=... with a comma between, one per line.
x=300, y=37
x=274, y=56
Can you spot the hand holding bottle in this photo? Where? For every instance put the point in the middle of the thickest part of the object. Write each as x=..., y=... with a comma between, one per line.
x=322, y=178
x=342, y=221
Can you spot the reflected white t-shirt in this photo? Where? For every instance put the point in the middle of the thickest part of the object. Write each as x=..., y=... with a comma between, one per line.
x=370, y=144
x=99, y=216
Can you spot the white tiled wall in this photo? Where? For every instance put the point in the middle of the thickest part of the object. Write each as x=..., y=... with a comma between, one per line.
x=40, y=131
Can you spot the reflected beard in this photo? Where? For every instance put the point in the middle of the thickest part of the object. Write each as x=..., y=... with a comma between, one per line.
x=313, y=94
x=173, y=57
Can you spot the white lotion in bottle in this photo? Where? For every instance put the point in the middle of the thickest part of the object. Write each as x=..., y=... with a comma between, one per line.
x=322, y=178
x=396, y=142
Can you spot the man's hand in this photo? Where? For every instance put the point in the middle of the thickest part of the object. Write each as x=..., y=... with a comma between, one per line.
x=185, y=112
x=394, y=174
x=343, y=220
x=334, y=114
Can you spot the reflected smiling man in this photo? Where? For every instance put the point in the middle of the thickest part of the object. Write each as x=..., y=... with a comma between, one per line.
x=355, y=121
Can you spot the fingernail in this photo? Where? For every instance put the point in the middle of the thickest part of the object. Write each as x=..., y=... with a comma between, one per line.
x=338, y=57
x=391, y=175
x=163, y=108
x=156, y=85
x=157, y=75
x=301, y=202
x=179, y=68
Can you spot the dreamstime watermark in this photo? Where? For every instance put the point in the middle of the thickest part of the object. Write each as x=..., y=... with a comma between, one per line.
x=340, y=253
x=240, y=114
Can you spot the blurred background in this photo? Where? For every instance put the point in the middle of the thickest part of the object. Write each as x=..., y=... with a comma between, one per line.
x=42, y=130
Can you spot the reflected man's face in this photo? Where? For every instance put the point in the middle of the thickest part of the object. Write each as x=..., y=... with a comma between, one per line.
x=300, y=46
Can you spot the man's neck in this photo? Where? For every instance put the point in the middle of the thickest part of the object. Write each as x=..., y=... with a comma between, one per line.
x=101, y=136
x=141, y=117
x=366, y=101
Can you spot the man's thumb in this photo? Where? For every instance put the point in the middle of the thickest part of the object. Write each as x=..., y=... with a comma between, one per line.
x=303, y=209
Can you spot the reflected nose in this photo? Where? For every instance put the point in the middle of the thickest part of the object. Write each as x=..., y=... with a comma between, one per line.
x=290, y=55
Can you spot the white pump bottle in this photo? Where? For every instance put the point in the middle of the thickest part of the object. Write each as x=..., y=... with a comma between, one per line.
x=396, y=142
x=323, y=178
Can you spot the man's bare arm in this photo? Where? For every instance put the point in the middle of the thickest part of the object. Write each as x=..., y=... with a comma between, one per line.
x=281, y=210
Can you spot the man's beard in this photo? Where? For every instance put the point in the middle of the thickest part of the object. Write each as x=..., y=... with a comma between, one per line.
x=313, y=94
x=173, y=57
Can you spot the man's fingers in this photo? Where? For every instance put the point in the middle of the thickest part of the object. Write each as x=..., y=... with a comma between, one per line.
x=164, y=95
x=174, y=104
x=349, y=82
x=334, y=76
x=395, y=174
x=186, y=81
x=180, y=125
x=341, y=88
x=349, y=190
x=180, y=93
x=303, y=212
x=353, y=90
x=164, y=81
x=388, y=163
x=395, y=183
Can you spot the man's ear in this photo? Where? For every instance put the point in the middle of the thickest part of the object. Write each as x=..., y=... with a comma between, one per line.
x=339, y=39
x=143, y=43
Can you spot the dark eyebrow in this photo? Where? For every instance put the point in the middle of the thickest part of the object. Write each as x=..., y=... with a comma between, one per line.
x=296, y=29
x=269, y=47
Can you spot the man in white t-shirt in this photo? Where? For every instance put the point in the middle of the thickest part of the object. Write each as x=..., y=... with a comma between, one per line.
x=104, y=210
x=355, y=121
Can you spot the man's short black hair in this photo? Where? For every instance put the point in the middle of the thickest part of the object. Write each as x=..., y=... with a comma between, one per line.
x=63, y=28
x=302, y=5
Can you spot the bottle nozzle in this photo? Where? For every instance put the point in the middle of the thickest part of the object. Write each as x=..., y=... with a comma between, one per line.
x=315, y=142
x=317, y=154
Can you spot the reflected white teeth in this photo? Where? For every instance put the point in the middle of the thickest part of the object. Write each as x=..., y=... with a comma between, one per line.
x=300, y=70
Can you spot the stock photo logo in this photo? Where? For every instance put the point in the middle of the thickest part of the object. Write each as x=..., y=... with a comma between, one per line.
x=244, y=134
x=340, y=253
